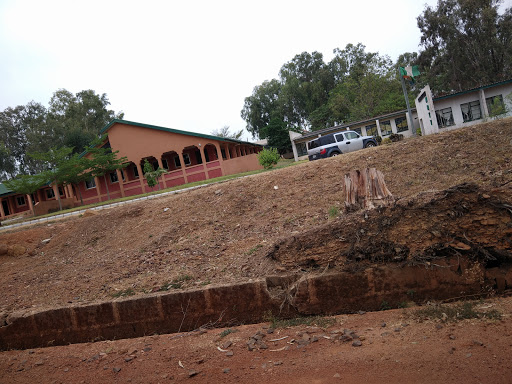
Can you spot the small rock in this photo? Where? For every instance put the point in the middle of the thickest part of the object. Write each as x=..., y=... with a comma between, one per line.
x=229, y=353
x=270, y=330
x=166, y=209
x=357, y=343
x=337, y=375
x=439, y=326
x=128, y=359
x=38, y=363
x=66, y=369
x=477, y=342
x=314, y=339
x=46, y=241
x=3, y=249
x=276, y=187
x=226, y=370
x=116, y=370
x=383, y=325
x=469, y=355
x=227, y=344
x=147, y=349
x=218, y=192
x=193, y=373
x=278, y=363
x=397, y=329
x=361, y=312
x=263, y=346
x=452, y=337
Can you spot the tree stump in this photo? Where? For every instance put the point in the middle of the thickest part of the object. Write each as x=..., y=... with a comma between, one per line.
x=366, y=190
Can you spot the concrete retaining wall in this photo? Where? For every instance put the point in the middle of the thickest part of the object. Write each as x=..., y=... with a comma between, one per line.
x=284, y=296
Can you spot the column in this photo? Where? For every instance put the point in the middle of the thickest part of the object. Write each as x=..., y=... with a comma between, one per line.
x=378, y=128
x=226, y=150
x=160, y=164
x=182, y=162
x=98, y=189
x=141, y=177
x=121, y=183
x=30, y=204
x=2, y=213
x=483, y=103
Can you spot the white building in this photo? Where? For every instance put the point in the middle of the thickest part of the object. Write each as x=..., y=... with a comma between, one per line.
x=460, y=109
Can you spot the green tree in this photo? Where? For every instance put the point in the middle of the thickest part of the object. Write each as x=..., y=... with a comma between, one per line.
x=277, y=135
x=74, y=171
x=54, y=161
x=465, y=43
x=151, y=175
x=26, y=184
x=260, y=106
x=104, y=161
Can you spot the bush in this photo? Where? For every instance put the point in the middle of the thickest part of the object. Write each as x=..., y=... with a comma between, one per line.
x=268, y=157
x=386, y=141
x=396, y=137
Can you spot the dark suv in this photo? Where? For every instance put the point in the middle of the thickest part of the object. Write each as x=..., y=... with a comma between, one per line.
x=338, y=143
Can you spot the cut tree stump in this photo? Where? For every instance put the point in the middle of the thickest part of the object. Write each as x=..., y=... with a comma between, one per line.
x=366, y=190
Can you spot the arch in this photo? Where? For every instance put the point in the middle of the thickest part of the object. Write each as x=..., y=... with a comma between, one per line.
x=171, y=160
x=210, y=153
x=192, y=155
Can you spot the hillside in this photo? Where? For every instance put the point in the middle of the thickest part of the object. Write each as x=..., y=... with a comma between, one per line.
x=229, y=232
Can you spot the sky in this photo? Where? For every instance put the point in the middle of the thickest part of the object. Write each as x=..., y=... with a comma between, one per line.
x=186, y=65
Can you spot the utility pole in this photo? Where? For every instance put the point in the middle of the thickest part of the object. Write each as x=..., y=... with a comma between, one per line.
x=411, y=121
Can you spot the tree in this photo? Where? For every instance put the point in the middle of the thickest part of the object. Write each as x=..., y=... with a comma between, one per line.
x=466, y=43
x=54, y=161
x=76, y=170
x=26, y=184
x=104, y=161
x=260, y=106
x=225, y=132
x=277, y=135
x=151, y=175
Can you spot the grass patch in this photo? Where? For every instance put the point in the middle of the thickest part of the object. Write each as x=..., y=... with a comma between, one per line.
x=462, y=311
x=333, y=212
x=124, y=293
x=226, y=332
x=252, y=250
x=317, y=321
x=177, y=283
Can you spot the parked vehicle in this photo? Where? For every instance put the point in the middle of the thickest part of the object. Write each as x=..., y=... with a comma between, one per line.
x=337, y=143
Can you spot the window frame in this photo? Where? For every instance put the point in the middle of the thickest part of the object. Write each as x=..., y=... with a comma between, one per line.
x=469, y=115
x=18, y=201
x=440, y=114
x=386, y=123
x=186, y=159
x=89, y=182
x=400, y=121
x=50, y=193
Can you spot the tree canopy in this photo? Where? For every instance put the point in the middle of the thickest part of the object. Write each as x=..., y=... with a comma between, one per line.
x=70, y=120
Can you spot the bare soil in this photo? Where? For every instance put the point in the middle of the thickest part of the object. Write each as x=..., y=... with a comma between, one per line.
x=265, y=224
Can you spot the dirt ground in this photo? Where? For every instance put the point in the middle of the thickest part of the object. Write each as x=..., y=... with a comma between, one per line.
x=228, y=232
x=396, y=347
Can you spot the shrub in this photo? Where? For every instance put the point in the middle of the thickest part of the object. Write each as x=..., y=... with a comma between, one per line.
x=396, y=137
x=386, y=141
x=268, y=157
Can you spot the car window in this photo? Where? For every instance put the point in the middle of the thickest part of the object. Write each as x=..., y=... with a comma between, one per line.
x=313, y=144
x=351, y=135
x=325, y=140
x=339, y=137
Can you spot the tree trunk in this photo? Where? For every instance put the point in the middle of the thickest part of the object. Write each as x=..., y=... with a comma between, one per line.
x=365, y=190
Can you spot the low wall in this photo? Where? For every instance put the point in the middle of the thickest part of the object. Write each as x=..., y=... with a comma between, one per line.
x=241, y=164
x=44, y=207
x=284, y=296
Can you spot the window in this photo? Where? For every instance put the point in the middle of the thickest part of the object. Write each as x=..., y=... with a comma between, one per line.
x=113, y=177
x=385, y=128
x=223, y=153
x=371, y=130
x=351, y=136
x=471, y=111
x=20, y=200
x=165, y=164
x=495, y=105
x=61, y=191
x=186, y=159
x=49, y=194
x=90, y=184
x=401, y=124
x=135, y=172
x=198, y=157
x=339, y=137
x=206, y=155
x=155, y=165
x=445, y=117
x=358, y=130
x=177, y=162
x=301, y=149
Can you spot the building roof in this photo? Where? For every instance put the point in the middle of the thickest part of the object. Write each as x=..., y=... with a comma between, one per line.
x=172, y=130
x=446, y=96
x=4, y=190
x=348, y=125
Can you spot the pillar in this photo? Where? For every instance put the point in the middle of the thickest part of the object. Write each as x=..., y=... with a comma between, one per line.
x=141, y=177
x=160, y=164
x=2, y=213
x=121, y=182
x=30, y=204
x=182, y=162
